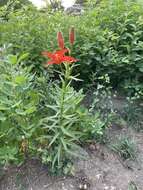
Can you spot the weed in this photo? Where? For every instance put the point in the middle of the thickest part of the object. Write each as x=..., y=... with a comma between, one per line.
x=125, y=148
x=132, y=114
x=132, y=186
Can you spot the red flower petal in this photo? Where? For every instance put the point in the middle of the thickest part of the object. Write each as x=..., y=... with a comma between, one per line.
x=69, y=59
x=61, y=52
x=47, y=54
x=50, y=62
x=60, y=40
x=72, y=36
x=58, y=57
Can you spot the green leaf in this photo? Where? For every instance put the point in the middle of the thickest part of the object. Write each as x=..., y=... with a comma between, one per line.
x=54, y=160
x=141, y=69
x=2, y=117
x=132, y=186
x=69, y=133
x=20, y=79
x=54, y=139
x=64, y=143
x=30, y=110
x=12, y=59
x=59, y=154
x=3, y=107
x=22, y=57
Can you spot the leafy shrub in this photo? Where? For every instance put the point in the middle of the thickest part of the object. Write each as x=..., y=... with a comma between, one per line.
x=41, y=117
x=18, y=102
x=109, y=39
x=114, y=46
x=102, y=97
x=8, y=6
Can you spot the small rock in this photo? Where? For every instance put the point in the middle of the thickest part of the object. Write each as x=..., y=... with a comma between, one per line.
x=84, y=183
x=94, y=147
x=113, y=188
x=98, y=176
x=106, y=188
x=83, y=186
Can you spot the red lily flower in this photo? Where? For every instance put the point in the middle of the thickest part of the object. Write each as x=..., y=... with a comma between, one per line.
x=60, y=40
x=72, y=36
x=58, y=57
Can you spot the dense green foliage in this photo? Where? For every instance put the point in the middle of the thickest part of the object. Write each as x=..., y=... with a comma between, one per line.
x=24, y=2
x=18, y=107
x=41, y=118
x=41, y=114
x=109, y=39
x=67, y=124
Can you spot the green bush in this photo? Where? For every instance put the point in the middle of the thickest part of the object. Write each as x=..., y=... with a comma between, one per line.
x=41, y=118
x=113, y=43
x=18, y=108
x=109, y=39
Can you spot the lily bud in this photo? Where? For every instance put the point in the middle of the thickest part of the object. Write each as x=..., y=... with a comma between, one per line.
x=72, y=36
x=60, y=40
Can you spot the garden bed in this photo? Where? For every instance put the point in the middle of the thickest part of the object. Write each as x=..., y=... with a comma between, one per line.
x=67, y=127
x=102, y=170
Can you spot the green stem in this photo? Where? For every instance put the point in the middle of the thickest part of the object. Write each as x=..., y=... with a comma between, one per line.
x=64, y=88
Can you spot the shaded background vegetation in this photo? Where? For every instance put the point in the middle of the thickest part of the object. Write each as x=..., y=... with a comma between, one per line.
x=109, y=39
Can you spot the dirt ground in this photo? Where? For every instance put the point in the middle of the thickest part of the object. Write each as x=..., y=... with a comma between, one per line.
x=102, y=170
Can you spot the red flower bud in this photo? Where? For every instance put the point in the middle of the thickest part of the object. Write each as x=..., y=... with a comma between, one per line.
x=60, y=40
x=72, y=36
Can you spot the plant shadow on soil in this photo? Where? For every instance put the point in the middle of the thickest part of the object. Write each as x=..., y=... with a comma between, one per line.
x=101, y=170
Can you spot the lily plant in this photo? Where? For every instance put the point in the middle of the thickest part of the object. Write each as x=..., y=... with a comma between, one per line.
x=61, y=126
x=59, y=57
x=67, y=123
